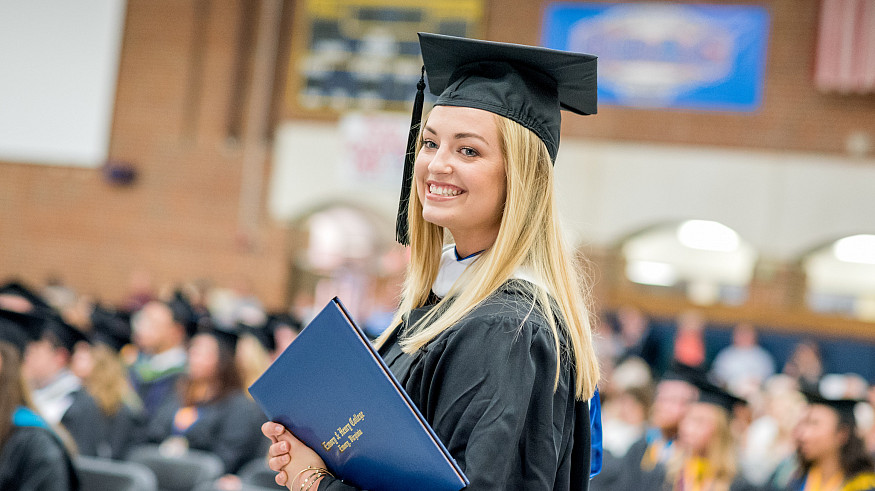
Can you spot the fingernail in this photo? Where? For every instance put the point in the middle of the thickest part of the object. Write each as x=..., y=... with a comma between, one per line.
x=283, y=446
x=278, y=428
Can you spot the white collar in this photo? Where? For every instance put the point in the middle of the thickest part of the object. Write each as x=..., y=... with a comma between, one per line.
x=54, y=399
x=172, y=358
x=452, y=267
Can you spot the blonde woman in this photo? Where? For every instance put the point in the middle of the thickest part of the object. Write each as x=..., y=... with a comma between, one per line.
x=706, y=460
x=493, y=339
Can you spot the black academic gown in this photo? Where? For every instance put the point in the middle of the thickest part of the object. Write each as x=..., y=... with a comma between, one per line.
x=84, y=423
x=120, y=432
x=33, y=459
x=229, y=428
x=486, y=386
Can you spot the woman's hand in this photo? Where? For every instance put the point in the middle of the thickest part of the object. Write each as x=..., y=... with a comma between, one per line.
x=287, y=455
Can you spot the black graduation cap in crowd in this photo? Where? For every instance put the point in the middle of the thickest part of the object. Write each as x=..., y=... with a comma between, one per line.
x=110, y=327
x=526, y=84
x=227, y=337
x=67, y=335
x=843, y=407
x=262, y=334
x=13, y=329
x=686, y=373
x=183, y=313
x=712, y=394
x=18, y=289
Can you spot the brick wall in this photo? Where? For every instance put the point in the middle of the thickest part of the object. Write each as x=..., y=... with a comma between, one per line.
x=180, y=221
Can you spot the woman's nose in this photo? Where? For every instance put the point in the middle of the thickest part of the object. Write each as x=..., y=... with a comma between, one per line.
x=440, y=162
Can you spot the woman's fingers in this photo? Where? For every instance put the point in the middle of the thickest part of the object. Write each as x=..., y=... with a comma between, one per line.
x=272, y=430
x=279, y=448
x=281, y=478
x=277, y=463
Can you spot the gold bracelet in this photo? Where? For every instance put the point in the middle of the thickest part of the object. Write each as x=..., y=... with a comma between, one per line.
x=308, y=468
x=318, y=473
x=315, y=476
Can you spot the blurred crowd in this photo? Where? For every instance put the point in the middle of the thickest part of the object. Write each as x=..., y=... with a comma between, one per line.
x=170, y=368
x=163, y=368
x=737, y=421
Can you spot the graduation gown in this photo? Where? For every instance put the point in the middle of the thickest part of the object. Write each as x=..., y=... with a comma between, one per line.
x=486, y=386
x=864, y=481
x=34, y=459
x=229, y=427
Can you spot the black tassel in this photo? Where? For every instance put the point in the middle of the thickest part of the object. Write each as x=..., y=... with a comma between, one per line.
x=402, y=230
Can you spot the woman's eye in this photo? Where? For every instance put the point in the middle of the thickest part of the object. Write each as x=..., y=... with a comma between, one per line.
x=469, y=152
x=429, y=144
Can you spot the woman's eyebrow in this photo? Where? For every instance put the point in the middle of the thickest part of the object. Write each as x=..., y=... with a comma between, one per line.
x=459, y=136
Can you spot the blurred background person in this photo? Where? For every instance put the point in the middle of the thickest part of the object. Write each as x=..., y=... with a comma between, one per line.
x=645, y=459
x=32, y=457
x=160, y=332
x=689, y=342
x=105, y=377
x=706, y=455
x=57, y=392
x=769, y=439
x=805, y=366
x=831, y=455
x=744, y=365
x=210, y=410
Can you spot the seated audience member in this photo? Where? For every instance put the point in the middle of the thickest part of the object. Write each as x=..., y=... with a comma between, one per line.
x=210, y=411
x=744, y=364
x=32, y=457
x=625, y=418
x=57, y=392
x=706, y=454
x=805, y=366
x=284, y=329
x=105, y=378
x=160, y=332
x=689, y=341
x=674, y=395
x=831, y=455
x=769, y=439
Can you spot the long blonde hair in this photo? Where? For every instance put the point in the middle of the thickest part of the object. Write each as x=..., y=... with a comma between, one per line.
x=720, y=456
x=530, y=238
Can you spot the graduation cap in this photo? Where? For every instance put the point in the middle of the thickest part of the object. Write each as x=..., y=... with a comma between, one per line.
x=12, y=332
x=66, y=335
x=712, y=394
x=226, y=337
x=686, y=373
x=262, y=334
x=527, y=84
x=17, y=289
x=110, y=327
x=183, y=313
x=843, y=407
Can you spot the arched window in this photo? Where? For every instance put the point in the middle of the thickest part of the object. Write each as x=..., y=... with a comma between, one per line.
x=706, y=260
x=840, y=277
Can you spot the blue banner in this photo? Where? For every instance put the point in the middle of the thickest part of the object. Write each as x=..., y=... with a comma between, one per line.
x=664, y=55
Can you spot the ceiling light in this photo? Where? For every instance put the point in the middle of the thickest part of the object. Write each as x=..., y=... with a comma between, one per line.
x=707, y=235
x=855, y=249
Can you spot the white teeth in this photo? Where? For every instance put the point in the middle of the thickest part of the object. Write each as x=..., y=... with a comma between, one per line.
x=442, y=191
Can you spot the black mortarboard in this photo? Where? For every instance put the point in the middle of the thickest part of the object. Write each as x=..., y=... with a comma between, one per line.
x=843, y=407
x=685, y=373
x=526, y=84
x=712, y=394
x=183, y=313
x=12, y=331
x=66, y=335
x=262, y=334
x=18, y=289
x=110, y=327
x=227, y=337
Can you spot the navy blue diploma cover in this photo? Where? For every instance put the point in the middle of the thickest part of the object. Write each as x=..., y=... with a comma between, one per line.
x=333, y=391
